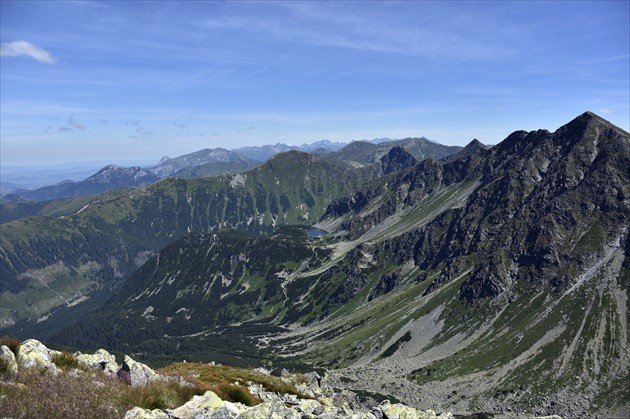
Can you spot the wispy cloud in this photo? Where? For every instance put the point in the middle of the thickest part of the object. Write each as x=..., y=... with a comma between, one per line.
x=73, y=123
x=607, y=111
x=418, y=31
x=23, y=48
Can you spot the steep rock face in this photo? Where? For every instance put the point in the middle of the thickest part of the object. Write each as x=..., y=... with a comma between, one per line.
x=384, y=197
x=547, y=206
x=554, y=213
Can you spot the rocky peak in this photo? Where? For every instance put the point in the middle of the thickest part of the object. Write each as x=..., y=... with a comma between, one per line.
x=397, y=159
x=121, y=176
x=475, y=144
x=474, y=147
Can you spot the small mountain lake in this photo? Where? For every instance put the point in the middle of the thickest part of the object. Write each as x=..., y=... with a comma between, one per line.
x=316, y=232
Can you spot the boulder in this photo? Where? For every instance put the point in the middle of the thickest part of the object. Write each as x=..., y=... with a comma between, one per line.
x=32, y=353
x=9, y=357
x=101, y=360
x=140, y=413
x=210, y=406
x=270, y=410
x=401, y=411
x=136, y=373
x=207, y=406
x=186, y=410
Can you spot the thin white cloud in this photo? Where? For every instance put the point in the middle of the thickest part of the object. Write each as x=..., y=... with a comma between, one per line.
x=606, y=111
x=23, y=48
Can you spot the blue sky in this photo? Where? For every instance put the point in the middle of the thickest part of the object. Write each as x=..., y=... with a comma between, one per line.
x=136, y=80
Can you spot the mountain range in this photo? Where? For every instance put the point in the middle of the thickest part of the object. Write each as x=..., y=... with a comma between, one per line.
x=484, y=279
x=218, y=161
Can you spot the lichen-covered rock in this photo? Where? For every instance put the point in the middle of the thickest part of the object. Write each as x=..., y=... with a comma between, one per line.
x=270, y=410
x=140, y=413
x=186, y=410
x=136, y=373
x=101, y=359
x=32, y=353
x=312, y=385
x=310, y=407
x=9, y=357
x=210, y=406
x=401, y=411
x=235, y=409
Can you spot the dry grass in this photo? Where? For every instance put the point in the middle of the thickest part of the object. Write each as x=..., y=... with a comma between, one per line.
x=80, y=392
x=221, y=380
x=91, y=394
x=37, y=394
x=12, y=343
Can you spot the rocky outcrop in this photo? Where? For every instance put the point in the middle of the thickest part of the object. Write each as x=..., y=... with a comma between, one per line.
x=34, y=354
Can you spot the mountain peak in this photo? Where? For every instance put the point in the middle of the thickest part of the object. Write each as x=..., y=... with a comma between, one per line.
x=589, y=119
x=110, y=167
x=586, y=127
x=474, y=146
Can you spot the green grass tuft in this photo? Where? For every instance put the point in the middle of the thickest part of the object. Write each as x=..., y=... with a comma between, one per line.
x=65, y=361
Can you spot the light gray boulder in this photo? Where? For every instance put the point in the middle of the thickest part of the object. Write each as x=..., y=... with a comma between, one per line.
x=140, y=413
x=136, y=373
x=270, y=410
x=401, y=411
x=32, y=353
x=9, y=357
x=210, y=406
x=101, y=360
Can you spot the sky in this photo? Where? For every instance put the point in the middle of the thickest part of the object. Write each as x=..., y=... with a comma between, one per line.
x=138, y=80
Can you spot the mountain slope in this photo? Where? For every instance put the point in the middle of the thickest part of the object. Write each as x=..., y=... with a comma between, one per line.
x=109, y=177
x=170, y=166
x=491, y=282
x=109, y=237
x=528, y=273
